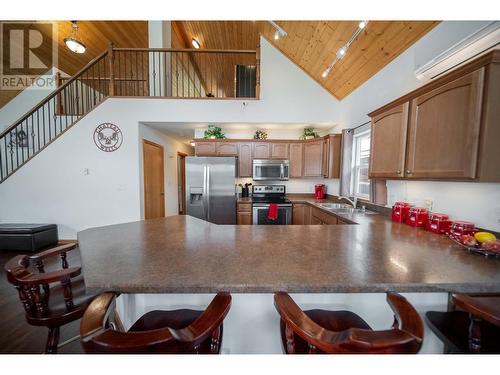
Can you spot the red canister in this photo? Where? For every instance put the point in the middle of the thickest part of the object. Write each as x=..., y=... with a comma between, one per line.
x=400, y=211
x=417, y=217
x=459, y=228
x=319, y=191
x=438, y=223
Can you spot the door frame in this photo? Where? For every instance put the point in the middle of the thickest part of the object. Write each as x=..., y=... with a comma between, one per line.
x=145, y=141
x=182, y=182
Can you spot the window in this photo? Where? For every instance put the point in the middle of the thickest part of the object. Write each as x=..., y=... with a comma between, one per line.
x=360, y=183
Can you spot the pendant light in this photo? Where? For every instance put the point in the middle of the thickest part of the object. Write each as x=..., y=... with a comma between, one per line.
x=72, y=42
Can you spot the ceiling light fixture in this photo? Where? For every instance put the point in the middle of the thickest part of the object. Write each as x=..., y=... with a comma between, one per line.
x=195, y=43
x=280, y=32
x=72, y=42
x=343, y=50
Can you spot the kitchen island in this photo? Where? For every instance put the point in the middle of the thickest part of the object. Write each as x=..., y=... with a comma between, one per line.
x=180, y=261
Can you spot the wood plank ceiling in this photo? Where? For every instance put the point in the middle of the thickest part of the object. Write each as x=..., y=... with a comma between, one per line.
x=312, y=45
x=96, y=35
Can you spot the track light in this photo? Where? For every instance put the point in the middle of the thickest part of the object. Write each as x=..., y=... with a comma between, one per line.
x=195, y=43
x=343, y=50
x=280, y=32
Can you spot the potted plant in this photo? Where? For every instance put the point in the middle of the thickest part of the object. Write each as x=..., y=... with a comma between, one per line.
x=260, y=134
x=309, y=133
x=214, y=132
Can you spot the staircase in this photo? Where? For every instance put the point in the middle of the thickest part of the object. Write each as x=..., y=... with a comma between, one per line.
x=128, y=72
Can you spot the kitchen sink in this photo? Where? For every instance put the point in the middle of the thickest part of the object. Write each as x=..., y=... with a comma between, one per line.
x=333, y=206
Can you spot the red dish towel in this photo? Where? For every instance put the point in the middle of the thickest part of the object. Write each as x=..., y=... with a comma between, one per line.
x=272, y=213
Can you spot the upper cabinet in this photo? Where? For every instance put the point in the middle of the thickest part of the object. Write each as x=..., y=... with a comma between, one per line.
x=388, y=142
x=331, y=156
x=313, y=158
x=296, y=159
x=261, y=150
x=245, y=160
x=227, y=148
x=446, y=130
x=443, y=134
x=202, y=148
x=280, y=150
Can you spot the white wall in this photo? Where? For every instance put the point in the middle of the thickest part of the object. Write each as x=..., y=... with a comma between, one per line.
x=477, y=202
x=170, y=148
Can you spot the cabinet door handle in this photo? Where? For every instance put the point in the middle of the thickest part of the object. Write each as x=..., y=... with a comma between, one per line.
x=409, y=172
x=398, y=172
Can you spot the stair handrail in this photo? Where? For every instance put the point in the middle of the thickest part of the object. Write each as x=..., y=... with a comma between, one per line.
x=54, y=93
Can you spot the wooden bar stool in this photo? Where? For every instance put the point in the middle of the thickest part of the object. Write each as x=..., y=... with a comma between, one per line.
x=323, y=331
x=50, y=299
x=473, y=327
x=178, y=331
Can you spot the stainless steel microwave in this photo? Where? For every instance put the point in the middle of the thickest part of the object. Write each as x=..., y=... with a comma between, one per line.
x=270, y=170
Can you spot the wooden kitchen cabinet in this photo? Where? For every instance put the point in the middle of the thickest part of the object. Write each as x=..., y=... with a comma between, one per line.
x=443, y=132
x=301, y=214
x=388, y=142
x=244, y=213
x=280, y=151
x=202, y=148
x=313, y=158
x=296, y=159
x=320, y=217
x=245, y=160
x=227, y=148
x=331, y=155
x=261, y=150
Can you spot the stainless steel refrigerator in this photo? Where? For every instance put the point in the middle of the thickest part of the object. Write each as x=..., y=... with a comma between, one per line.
x=211, y=189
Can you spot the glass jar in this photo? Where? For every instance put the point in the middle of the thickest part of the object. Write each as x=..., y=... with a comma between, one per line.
x=438, y=223
x=459, y=228
x=400, y=211
x=417, y=217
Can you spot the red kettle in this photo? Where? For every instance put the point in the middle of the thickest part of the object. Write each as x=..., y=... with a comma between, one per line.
x=319, y=191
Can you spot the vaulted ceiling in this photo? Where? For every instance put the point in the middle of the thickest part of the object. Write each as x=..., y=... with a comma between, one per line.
x=312, y=45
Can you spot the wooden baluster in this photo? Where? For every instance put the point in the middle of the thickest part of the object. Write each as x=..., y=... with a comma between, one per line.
x=68, y=293
x=46, y=290
x=40, y=302
x=111, y=70
x=215, y=342
x=23, y=296
x=475, y=334
x=64, y=260
x=290, y=339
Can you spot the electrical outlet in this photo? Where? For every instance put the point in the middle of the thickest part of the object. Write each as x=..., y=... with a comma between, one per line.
x=497, y=214
x=428, y=204
x=86, y=171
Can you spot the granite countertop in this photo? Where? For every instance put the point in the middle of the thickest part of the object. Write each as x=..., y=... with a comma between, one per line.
x=182, y=254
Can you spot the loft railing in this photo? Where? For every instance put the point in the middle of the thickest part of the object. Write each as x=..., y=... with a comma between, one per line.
x=128, y=72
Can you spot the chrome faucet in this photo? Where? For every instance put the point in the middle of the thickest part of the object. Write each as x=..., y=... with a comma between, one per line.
x=353, y=202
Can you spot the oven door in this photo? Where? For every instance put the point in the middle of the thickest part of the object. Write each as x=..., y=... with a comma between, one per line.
x=273, y=170
x=259, y=214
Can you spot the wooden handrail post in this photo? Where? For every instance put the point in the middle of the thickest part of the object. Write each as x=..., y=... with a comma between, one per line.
x=59, y=97
x=257, y=72
x=111, y=70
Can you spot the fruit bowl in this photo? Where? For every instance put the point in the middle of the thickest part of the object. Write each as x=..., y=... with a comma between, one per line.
x=477, y=249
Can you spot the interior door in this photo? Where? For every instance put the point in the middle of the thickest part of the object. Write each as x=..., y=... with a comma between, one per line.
x=154, y=189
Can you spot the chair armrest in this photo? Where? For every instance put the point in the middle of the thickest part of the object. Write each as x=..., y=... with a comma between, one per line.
x=50, y=277
x=202, y=328
x=53, y=251
x=484, y=307
x=408, y=319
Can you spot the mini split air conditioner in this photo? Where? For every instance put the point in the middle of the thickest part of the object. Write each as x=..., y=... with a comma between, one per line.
x=483, y=40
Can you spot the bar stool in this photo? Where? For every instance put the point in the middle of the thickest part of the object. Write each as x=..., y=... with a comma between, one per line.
x=323, y=331
x=50, y=299
x=178, y=331
x=472, y=327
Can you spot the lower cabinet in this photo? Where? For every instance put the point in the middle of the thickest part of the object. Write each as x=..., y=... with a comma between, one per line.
x=319, y=217
x=301, y=214
x=244, y=214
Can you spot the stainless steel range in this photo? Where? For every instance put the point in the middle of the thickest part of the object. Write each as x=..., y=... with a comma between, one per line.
x=262, y=197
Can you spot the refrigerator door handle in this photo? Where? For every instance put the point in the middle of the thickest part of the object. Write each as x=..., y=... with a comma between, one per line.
x=205, y=200
x=207, y=179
